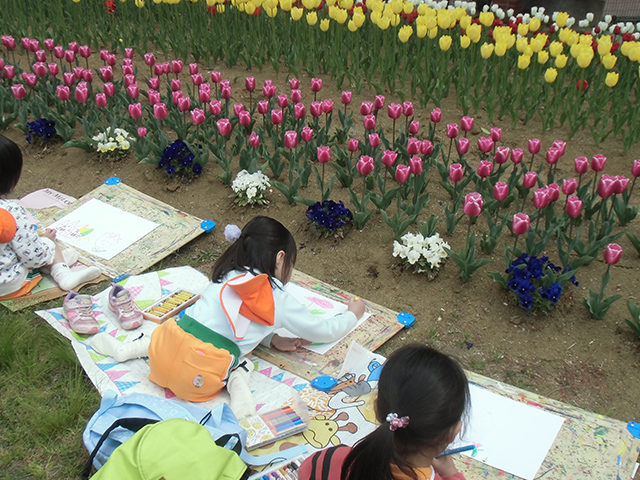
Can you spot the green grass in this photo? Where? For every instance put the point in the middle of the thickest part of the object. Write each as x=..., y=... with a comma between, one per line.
x=45, y=400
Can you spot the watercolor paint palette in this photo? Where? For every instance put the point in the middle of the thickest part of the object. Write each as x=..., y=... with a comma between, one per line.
x=169, y=305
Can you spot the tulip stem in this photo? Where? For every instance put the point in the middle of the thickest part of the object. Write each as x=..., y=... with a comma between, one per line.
x=593, y=188
x=632, y=185
x=531, y=163
x=393, y=135
x=604, y=200
x=514, y=245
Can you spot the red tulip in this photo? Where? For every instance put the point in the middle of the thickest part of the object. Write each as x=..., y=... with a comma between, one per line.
x=394, y=110
x=427, y=148
x=456, y=172
x=353, y=145
x=193, y=68
x=307, y=134
x=216, y=77
x=407, y=109
x=263, y=107
x=150, y=59
x=135, y=110
x=101, y=100
x=485, y=168
x=327, y=106
x=414, y=127
x=389, y=157
x=473, y=203
x=552, y=156
x=466, y=124
x=254, y=140
x=53, y=69
x=176, y=66
x=369, y=122
x=224, y=127
x=283, y=101
x=612, y=253
x=582, y=84
x=18, y=91
x=553, y=190
x=296, y=96
x=569, y=186
x=215, y=107
x=48, y=43
x=133, y=90
x=84, y=51
x=414, y=146
x=516, y=155
x=245, y=118
x=452, y=130
x=290, y=139
x=58, y=52
x=496, y=134
x=299, y=111
x=521, y=223
x=153, y=96
x=365, y=165
x=269, y=90
x=402, y=173
x=324, y=154
x=574, y=206
x=366, y=108
x=500, y=191
x=294, y=83
x=378, y=103
x=502, y=155
x=540, y=198
x=160, y=111
x=63, y=92
x=561, y=146
x=109, y=89
x=316, y=85
x=598, y=162
x=581, y=165
x=345, y=98
x=315, y=109
x=534, y=146
x=40, y=69
x=485, y=144
x=204, y=93
x=374, y=140
x=225, y=93
x=237, y=108
x=106, y=73
x=605, y=186
x=436, y=115
x=197, y=116
x=415, y=165
x=276, y=116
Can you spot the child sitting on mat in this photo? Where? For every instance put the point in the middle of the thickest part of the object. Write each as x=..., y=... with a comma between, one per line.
x=422, y=397
x=242, y=307
x=22, y=248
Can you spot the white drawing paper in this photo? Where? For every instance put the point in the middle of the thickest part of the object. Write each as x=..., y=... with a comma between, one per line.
x=101, y=230
x=508, y=435
x=321, y=306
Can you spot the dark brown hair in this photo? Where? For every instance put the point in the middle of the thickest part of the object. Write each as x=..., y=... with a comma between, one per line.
x=10, y=165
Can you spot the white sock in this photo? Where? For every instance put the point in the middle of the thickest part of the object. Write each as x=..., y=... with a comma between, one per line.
x=121, y=351
x=70, y=256
x=241, y=399
x=68, y=280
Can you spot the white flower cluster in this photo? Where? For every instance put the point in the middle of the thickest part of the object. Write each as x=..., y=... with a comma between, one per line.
x=250, y=187
x=424, y=254
x=117, y=141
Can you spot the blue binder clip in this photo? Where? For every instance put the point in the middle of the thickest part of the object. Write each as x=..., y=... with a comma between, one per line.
x=324, y=383
x=634, y=429
x=208, y=225
x=406, y=319
x=120, y=278
x=112, y=181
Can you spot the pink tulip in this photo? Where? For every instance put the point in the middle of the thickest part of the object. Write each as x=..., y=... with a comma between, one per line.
x=452, y=130
x=250, y=84
x=605, y=186
x=315, y=109
x=263, y=107
x=40, y=69
x=496, y=134
x=204, y=93
x=374, y=140
x=106, y=73
x=466, y=123
x=574, y=206
x=500, y=191
x=407, y=109
x=473, y=203
x=378, y=103
x=540, y=198
x=254, y=140
x=552, y=156
x=462, y=145
x=84, y=51
x=436, y=115
x=307, y=134
x=142, y=132
x=283, y=101
x=30, y=79
x=581, y=165
x=69, y=78
x=620, y=184
x=176, y=66
x=49, y=43
x=197, y=116
x=414, y=127
x=74, y=46
x=128, y=53
x=197, y=79
x=635, y=168
x=77, y=72
x=427, y=148
x=237, y=108
x=133, y=90
x=294, y=83
x=193, y=68
x=109, y=89
x=81, y=94
x=24, y=43
x=101, y=100
x=456, y=172
x=160, y=111
x=269, y=90
x=216, y=77
x=394, y=110
x=130, y=80
x=415, y=165
x=598, y=162
x=324, y=154
x=502, y=155
x=103, y=54
x=516, y=155
x=569, y=186
x=402, y=173
x=353, y=145
x=34, y=45
x=166, y=68
x=299, y=111
x=485, y=144
x=215, y=107
x=158, y=69
x=612, y=253
x=41, y=56
x=389, y=158
x=276, y=116
x=69, y=56
x=58, y=52
x=53, y=69
x=154, y=97
x=184, y=104
x=414, y=146
x=245, y=118
x=290, y=139
x=561, y=146
x=316, y=85
x=225, y=93
x=365, y=165
x=18, y=91
x=534, y=146
x=369, y=122
x=345, y=98
x=135, y=110
x=327, y=106
x=63, y=92
x=521, y=223
x=224, y=127
x=9, y=42
x=149, y=59
x=296, y=96
x=553, y=190
x=366, y=108
x=485, y=168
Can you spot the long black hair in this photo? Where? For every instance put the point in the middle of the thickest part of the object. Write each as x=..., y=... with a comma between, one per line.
x=10, y=165
x=420, y=383
x=256, y=250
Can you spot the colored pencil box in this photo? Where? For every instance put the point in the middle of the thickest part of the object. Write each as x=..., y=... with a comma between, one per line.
x=169, y=305
x=266, y=428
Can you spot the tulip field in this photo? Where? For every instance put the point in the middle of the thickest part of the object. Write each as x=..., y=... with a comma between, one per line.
x=474, y=168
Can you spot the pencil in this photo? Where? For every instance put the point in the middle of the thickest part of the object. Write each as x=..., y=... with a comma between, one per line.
x=456, y=450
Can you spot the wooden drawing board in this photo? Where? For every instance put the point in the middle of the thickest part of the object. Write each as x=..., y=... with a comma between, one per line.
x=375, y=331
x=176, y=228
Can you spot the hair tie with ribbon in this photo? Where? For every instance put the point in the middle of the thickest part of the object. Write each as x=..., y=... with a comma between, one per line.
x=396, y=422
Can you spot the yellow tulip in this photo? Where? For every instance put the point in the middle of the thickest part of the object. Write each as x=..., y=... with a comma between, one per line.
x=324, y=24
x=522, y=44
x=534, y=24
x=312, y=18
x=238, y=5
x=586, y=40
x=543, y=57
x=604, y=45
x=555, y=48
x=465, y=21
x=154, y=1
x=272, y=12
x=388, y=11
x=346, y=4
x=351, y=25
x=584, y=59
x=550, y=75
x=445, y=19
x=611, y=80
x=359, y=18
x=561, y=19
x=395, y=20
x=331, y=3
x=486, y=18
x=423, y=8
x=296, y=13
x=258, y=3
x=445, y=43
x=523, y=29
x=76, y=1
x=523, y=62
x=459, y=13
x=139, y=3
x=375, y=17
x=211, y=3
x=574, y=37
x=396, y=6
x=383, y=23
x=286, y=5
x=405, y=33
x=433, y=33
x=500, y=49
x=432, y=22
x=332, y=12
x=357, y=11
x=474, y=32
x=563, y=35
x=576, y=50
x=421, y=31
x=538, y=43
x=465, y=41
x=634, y=52
x=486, y=50
x=561, y=60
x=250, y=8
x=407, y=8
x=609, y=61
x=341, y=16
